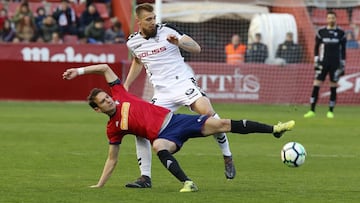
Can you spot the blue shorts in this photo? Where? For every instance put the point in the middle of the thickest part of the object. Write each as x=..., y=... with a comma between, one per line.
x=182, y=127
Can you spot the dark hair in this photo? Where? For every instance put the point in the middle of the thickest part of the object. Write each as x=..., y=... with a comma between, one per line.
x=91, y=98
x=144, y=7
x=331, y=12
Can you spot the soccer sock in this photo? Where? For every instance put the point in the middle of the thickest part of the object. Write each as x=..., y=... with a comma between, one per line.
x=222, y=141
x=245, y=127
x=169, y=161
x=314, y=97
x=143, y=152
x=332, y=98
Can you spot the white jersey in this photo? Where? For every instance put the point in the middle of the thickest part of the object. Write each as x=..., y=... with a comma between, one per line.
x=162, y=60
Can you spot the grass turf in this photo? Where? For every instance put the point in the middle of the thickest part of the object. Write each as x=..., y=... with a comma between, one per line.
x=52, y=152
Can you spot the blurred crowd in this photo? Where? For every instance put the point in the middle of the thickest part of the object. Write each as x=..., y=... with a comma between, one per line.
x=65, y=21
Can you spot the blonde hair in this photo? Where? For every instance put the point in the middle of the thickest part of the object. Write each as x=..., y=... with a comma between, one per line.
x=143, y=7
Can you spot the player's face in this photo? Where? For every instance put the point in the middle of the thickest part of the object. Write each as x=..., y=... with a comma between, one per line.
x=105, y=103
x=331, y=19
x=147, y=23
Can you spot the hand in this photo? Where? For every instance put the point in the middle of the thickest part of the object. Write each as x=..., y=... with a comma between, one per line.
x=173, y=39
x=342, y=67
x=70, y=74
x=317, y=67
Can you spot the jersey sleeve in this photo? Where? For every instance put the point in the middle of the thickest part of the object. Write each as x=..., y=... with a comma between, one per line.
x=317, y=43
x=174, y=30
x=343, y=46
x=114, y=138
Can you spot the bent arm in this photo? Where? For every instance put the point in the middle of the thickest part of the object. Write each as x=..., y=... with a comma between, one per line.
x=109, y=166
x=186, y=43
x=134, y=72
x=102, y=69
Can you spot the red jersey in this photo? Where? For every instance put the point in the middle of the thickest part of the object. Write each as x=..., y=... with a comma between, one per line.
x=133, y=116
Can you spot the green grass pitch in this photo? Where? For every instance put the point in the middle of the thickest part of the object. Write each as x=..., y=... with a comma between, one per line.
x=52, y=152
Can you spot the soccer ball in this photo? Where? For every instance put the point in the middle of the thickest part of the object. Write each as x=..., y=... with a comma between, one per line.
x=293, y=154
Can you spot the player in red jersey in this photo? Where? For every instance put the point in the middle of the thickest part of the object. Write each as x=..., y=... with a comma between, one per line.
x=166, y=131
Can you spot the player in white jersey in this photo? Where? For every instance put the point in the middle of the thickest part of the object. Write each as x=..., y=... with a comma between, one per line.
x=156, y=48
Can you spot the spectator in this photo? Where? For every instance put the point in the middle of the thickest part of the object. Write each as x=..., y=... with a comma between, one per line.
x=289, y=50
x=95, y=32
x=351, y=43
x=26, y=30
x=87, y=17
x=56, y=39
x=66, y=18
x=40, y=16
x=114, y=34
x=3, y=17
x=8, y=32
x=22, y=11
x=48, y=27
x=257, y=52
x=235, y=51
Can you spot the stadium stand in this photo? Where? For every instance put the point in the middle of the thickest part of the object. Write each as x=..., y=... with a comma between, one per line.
x=342, y=16
x=355, y=17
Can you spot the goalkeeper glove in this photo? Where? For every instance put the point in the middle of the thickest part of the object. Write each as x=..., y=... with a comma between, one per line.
x=317, y=66
x=340, y=71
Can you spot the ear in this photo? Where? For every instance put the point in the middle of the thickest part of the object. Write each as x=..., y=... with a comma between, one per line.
x=97, y=109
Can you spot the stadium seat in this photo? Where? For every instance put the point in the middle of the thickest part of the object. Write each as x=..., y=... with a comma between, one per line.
x=79, y=8
x=101, y=7
x=12, y=6
x=319, y=16
x=70, y=39
x=34, y=6
x=342, y=16
x=355, y=18
x=54, y=6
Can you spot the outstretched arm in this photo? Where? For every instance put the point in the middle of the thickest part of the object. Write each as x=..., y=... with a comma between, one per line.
x=109, y=166
x=135, y=70
x=102, y=69
x=186, y=43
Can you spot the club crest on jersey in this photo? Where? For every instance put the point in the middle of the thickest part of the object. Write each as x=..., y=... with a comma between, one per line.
x=189, y=91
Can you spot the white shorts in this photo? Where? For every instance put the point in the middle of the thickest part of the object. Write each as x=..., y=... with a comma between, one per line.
x=183, y=93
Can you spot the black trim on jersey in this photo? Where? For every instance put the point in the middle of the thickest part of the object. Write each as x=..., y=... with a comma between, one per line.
x=174, y=28
x=116, y=82
x=114, y=143
x=132, y=35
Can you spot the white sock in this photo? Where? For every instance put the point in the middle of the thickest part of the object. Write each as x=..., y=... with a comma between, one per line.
x=143, y=152
x=222, y=140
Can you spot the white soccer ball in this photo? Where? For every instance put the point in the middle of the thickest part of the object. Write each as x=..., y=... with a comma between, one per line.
x=293, y=154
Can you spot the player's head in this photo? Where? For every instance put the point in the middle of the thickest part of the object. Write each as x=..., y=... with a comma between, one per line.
x=258, y=37
x=235, y=39
x=331, y=18
x=289, y=36
x=146, y=19
x=101, y=102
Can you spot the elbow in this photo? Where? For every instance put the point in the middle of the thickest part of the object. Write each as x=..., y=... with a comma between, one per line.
x=198, y=50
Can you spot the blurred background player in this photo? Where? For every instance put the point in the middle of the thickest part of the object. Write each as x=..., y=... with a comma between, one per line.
x=331, y=60
x=156, y=47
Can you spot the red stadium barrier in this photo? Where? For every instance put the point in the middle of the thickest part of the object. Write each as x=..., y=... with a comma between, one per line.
x=263, y=84
x=33, y=72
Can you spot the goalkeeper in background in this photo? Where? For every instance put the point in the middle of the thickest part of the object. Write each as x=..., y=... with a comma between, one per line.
x=330, y=54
